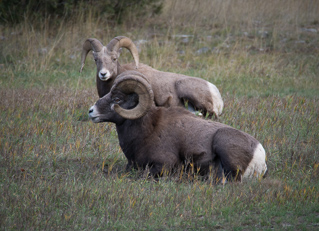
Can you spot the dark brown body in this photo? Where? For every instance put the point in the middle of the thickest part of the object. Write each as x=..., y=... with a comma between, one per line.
x=171, y=137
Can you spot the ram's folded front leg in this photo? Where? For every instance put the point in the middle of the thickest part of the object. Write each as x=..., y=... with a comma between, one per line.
x=201, y=95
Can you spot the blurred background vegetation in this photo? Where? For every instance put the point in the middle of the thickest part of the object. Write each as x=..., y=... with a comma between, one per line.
x=15, y=11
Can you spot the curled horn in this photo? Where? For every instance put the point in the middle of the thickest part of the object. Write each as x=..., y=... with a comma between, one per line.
x=122, y=41
x=134, y=82
x=89, y=44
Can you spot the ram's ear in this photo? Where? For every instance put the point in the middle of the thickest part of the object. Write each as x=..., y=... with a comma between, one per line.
x=121, y=41
x=118, y=54
x=94, y=54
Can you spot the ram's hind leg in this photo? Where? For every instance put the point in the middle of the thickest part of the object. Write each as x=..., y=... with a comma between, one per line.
x=220, y=172
x=235, y=150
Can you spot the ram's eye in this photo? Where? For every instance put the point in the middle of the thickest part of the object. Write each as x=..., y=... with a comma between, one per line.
x=117, y=100
x=114, y=59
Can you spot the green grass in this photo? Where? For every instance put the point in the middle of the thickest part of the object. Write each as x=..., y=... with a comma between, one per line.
x=58, y=170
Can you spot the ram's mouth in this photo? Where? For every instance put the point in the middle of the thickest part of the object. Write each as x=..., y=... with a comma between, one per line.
x=95, y=119
x=104, y=78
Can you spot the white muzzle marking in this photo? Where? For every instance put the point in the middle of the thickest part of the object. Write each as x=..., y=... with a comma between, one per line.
x=104, y=74
x=93, y=114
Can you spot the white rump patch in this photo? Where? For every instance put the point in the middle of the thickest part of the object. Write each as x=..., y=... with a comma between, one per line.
x=257, y=166
x=218, y=103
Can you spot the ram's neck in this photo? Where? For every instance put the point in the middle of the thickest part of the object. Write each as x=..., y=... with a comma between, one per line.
x=103, y=87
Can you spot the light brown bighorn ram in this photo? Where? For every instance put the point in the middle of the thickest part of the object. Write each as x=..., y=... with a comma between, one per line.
x=161, y=137
x=169, y=89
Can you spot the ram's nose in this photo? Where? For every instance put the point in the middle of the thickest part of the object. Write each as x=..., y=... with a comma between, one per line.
x=104, y=74
x=91, y=111
x=94, y=115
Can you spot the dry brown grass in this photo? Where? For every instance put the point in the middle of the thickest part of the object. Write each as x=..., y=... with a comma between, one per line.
x=276, y=14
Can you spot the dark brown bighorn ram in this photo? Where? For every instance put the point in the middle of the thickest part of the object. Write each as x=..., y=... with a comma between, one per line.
x=169, y=89
x=161, y=137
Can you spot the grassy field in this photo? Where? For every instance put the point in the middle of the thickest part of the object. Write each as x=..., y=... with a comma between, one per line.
x=59, y=171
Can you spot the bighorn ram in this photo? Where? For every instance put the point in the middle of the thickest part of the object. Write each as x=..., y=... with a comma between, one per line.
x=169, y=89
x=161, y=137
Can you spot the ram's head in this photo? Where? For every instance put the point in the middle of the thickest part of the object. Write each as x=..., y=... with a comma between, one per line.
x=130, y=98
x=106, y=57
